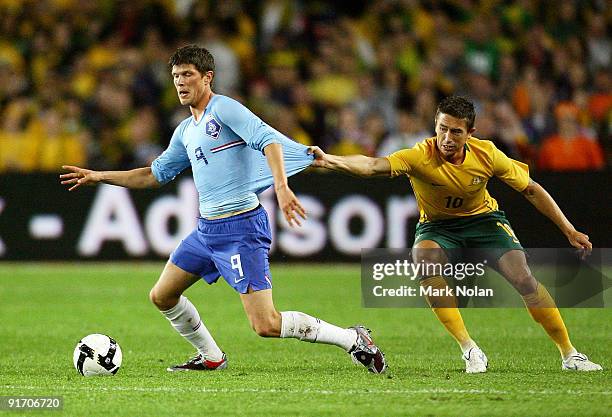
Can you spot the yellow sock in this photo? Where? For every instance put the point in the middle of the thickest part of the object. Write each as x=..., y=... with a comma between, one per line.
x=542, y=308
x=445, y=308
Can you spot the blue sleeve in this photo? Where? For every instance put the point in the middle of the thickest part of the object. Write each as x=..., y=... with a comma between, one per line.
x=295, y=156
x=245, y=124
x=173, y=160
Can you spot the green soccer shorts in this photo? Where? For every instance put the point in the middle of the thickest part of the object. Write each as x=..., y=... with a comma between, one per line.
x=489, y=232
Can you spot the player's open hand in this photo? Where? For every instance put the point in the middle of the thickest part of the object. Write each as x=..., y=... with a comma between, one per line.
x=320, y=156
x=291, y=206
x=580, y=241
x=78, y=176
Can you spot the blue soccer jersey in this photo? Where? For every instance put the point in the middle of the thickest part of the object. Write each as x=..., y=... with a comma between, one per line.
x=225, y=151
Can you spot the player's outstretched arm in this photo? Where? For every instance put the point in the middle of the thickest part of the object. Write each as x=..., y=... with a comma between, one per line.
x=287, y=201
x=360, y=165
x=135, y=178
x=539, y=197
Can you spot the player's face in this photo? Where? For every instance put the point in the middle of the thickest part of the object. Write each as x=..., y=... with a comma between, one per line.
x=191, y=85
x=451, y=135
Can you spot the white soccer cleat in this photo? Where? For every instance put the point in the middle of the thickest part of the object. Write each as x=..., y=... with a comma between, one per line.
x=579, y=362
x=475, y=361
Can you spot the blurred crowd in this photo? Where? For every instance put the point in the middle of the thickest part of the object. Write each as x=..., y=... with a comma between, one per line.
x=86, y=81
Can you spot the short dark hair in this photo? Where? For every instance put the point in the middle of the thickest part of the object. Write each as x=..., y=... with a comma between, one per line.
x=193, y=54
x=459, y=107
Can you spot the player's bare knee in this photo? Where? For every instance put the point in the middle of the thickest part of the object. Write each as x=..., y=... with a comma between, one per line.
x=265, y=329
x=153, y=296
x=268, y=326
x=524, y=282
x=156, y=299
x=162, y=301
x=429, y=256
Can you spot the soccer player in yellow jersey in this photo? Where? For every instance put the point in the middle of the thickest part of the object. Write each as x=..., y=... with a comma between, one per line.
x=449, y=174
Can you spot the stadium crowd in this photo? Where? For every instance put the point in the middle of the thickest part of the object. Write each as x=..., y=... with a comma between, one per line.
x=85, y=82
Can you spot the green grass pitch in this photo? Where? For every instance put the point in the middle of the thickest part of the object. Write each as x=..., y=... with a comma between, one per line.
x=45, y=309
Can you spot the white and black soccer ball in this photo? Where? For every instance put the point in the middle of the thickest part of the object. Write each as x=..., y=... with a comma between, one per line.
x=97, y=354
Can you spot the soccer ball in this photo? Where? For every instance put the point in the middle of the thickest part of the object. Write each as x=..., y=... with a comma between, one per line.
x=97, y=354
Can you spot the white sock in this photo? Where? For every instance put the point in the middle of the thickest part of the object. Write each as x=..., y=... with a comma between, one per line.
x=466, y=346
x=185, y=319
x=304, y=327
x=571, y=353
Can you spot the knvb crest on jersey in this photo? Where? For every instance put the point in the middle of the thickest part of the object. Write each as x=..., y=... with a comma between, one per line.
x=213, y=128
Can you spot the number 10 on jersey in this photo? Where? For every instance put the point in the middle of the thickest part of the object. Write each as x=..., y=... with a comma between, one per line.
x=455, y=202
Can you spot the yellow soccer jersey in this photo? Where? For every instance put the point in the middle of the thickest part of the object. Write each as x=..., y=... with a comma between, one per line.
x=444, y=190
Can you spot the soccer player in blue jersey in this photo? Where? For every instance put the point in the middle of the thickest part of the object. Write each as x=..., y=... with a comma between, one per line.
x=234, y=155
